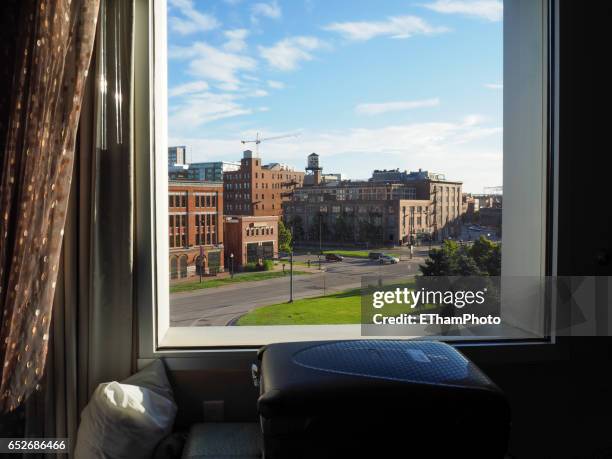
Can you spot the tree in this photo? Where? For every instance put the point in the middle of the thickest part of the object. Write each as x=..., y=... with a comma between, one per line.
x=297, y=228
x=493, y=263
x=318, y=223
x=483, y=258
x=487, y=255
x=370, y=229
x=284, y=237
x=442, y=261
x=343, y=230
x=464, y=265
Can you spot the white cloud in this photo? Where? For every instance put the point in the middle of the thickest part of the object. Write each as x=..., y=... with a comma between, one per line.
x=494, y=86
x=211, y=63
x=236, y=40
x=259, y=93
x=396, y=106
x=192, y=20
x=188, y=88
x=490, y=10
x=276, y=84
x=270, y=10
x=204, y=108
x=467, y=149
x=286, y=54
x=394, y=27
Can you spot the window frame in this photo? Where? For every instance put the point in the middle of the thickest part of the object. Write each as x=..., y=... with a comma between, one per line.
x=149, y=104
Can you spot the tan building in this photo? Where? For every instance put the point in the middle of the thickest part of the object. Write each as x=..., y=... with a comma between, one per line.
x=257, y=189
x=250, y=239
x=195, y=228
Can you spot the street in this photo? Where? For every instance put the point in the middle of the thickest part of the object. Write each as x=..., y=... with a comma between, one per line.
x=222, y=305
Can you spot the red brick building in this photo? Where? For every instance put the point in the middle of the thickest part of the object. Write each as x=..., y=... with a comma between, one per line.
x=259, y=190
x=195, y=228
x=250, y=239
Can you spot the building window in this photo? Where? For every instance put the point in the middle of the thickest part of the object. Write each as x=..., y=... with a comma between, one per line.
x=183, y=263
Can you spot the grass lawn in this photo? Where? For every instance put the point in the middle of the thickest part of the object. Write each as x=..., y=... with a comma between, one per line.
x=242, y=277
x=338, y=308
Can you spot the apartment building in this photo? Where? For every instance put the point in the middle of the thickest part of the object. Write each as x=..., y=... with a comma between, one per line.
x=195, y=228
x=177, y=156
x=259, y=190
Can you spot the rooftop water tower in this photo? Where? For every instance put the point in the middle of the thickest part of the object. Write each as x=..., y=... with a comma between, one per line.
x=314, y=168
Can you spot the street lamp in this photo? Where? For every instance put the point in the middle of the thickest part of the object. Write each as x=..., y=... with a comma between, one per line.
x=232, y=265
x=320, y=234
x=291, y=266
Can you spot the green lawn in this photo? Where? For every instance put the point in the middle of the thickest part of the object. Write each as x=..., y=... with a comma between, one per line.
x=338, y=308
x=242, y=277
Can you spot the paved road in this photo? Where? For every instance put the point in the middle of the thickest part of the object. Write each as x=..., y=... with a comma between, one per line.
x=218, y=306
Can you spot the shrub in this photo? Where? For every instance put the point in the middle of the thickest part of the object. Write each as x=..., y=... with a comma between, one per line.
x=250, y=267
x=268, y=265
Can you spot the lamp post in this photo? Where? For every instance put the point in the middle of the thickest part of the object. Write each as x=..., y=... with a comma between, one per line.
x=291, y=267
x=291, y=276
x=320, y=234
x=232, y=265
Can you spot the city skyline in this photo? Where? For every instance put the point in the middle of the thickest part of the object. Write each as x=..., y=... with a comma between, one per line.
x=395, y=85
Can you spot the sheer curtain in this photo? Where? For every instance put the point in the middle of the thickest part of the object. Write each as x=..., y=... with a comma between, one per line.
x=91, y=340
x=52, y=57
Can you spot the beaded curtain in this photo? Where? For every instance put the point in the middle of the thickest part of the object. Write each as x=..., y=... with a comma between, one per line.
x=53, y=53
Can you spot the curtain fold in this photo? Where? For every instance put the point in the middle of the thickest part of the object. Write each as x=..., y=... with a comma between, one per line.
x=91, y=335
x=53, y=53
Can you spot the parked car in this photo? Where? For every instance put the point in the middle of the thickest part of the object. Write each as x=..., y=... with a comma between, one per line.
x=388, y=260
x=333, y=257
x=375, y=255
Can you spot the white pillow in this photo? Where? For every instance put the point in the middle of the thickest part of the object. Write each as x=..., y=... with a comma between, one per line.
x=127, y=420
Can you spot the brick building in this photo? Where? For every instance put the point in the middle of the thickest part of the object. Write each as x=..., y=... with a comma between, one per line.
x=195, y=228
x=250, y=239
x=391, y=208
x=357, y=212
x=446, y=205
x=257, y=189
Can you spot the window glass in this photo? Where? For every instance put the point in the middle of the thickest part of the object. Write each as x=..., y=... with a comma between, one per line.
x=361, y=115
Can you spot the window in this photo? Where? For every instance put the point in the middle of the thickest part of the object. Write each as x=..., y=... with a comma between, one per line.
x=316, y=223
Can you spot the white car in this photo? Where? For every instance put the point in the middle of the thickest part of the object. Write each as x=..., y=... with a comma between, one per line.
x=388, y=260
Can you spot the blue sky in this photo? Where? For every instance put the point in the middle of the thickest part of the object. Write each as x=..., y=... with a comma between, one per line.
x=366, y=84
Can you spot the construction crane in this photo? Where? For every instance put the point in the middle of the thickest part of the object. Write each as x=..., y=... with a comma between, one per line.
x=257, y=140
